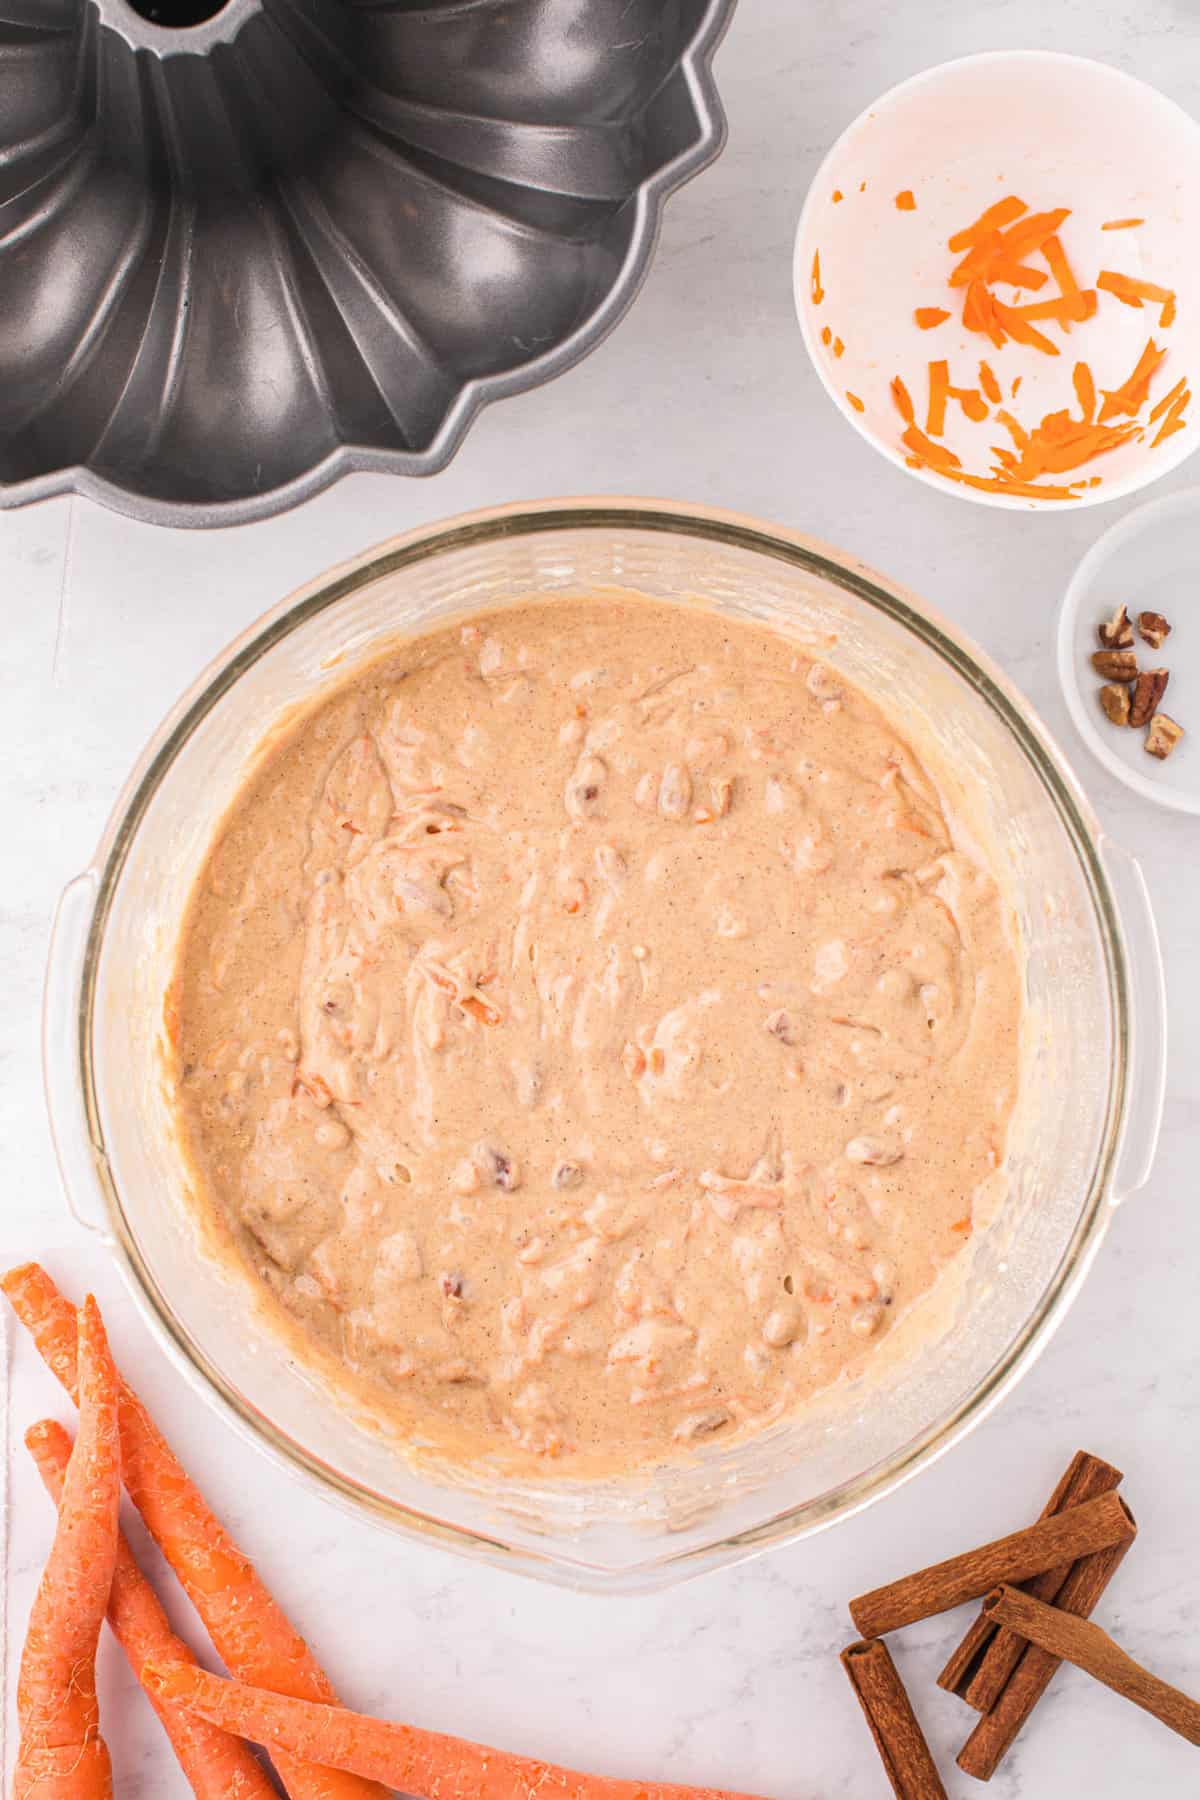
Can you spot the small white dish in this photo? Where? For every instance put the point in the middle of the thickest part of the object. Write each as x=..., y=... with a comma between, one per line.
x=1057, y=131
x=1150, y=561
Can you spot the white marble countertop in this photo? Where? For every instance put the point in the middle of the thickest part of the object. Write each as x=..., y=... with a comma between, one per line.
x=702, y=393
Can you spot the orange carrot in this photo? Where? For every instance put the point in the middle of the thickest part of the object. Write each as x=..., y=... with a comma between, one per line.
x=977, y=263
x=402, y=1756
x=1120, y=224
x=1168, y=400
x=1031, y=233
x=855, y=402
x=61, y=1754
x=936, y=455
x=1131, y=290
x=1014, y=428
x=1016, y=327
x=251, y=1633
x=826, y=334
x=929, y=316
x=993, y=219
x=219, y=1767
x=838, y=346
x=838, y=195
x=1065, y=309
x=1085, y=391
x=979, y=313
x=1133, y=393
x=1059, y=267
x=1025, y=490
x=818, y=292
x=1166, y=317
x=901, y=396
x=939, y=387
x=1019, y=275
x=989, y=384
x=906, y=201
x=1174, y=420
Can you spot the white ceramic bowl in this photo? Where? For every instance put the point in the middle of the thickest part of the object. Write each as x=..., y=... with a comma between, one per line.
x=1057, y=131
x=1150, y=561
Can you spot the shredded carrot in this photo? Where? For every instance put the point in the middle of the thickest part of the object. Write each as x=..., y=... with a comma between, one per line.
x=838, y=195
x=1174, y=420
x=1066, y=309
x=1016, y=384
x=818, y=292
x=936, y=455
x=989, y=384
x=972, y=402
x=1133, y=393
x=855, y=402
x=838, y=346
x=1059, y=267
x=400, y=1756
x=251, y=1633
x=217, y=1766
x=826, y=335
x=939, y=388
x=1120, y=224
x=1168, y=400
x=1023, y=490
x=1014, y=428
x=1085, y=391
x=1018, y=275
x=479, y=1009
x=1133, y=292
x=929, y=316
x=905, y=201
x=979, y=313
x=1021, y=332
x=993, y=219
x=862, y=187
x=903, y=399
x=977, y=263
x=1031, y=234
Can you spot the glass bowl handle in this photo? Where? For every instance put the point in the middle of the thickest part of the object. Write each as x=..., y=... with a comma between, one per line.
x=1148, y=1008
x=73, y=1143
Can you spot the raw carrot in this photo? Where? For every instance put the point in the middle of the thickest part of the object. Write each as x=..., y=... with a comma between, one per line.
x=1085, y=391
x=925, y=450
x=979, y=313
x=1133, y=393
x=818, y=292
x=826, y=334
x=977, y=263
x=1174, y=420
x=989, y=384
x=1130, y=289
x=1019, y=275
x=1059, y=267
x=929, y=316
x=252, y=1634
x=402, y=1756
x=939, y=387
x=838, y=195
x=838, y=346
x=906, y=201
x=1168, y=400
x=903, y=399
x=219, y=1767
x=993, y=219
x=61, y=1754
x=1022, y=333
x=1120, y=224
x=1031, y=233
x=856, y=403
x=1065, y=309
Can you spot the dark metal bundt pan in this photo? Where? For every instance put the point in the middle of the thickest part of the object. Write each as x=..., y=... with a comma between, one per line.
x=241, y=257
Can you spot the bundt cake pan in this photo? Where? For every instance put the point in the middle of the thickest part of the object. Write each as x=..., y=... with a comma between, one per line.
x=245, y=249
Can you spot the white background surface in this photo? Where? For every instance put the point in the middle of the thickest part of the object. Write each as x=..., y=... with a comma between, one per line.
x=702, y=393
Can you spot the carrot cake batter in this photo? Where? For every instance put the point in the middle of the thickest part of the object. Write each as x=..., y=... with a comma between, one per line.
x=591, y=1029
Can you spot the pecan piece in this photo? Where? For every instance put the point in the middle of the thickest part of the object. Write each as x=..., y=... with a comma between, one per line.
x=1162, y=736
x=1117, y=633
x=1115, y=665
x=1148, y=690
x=1114, y=698
x=1153, y=629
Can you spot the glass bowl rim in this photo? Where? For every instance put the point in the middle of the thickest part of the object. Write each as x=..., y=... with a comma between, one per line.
x=730, y=530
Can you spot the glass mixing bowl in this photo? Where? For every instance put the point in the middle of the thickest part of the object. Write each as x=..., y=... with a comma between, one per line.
x=1082, y=1136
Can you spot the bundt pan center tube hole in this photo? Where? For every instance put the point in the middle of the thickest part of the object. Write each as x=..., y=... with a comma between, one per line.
x=247, y=248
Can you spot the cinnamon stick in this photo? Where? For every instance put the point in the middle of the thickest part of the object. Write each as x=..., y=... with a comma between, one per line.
x=1062, y=1538
x=993, y=1736
x=987, y=1655
x=905, y=1755
x=1081, y=1642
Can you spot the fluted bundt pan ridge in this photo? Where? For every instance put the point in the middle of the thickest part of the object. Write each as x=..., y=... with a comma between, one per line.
x=243, y=255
